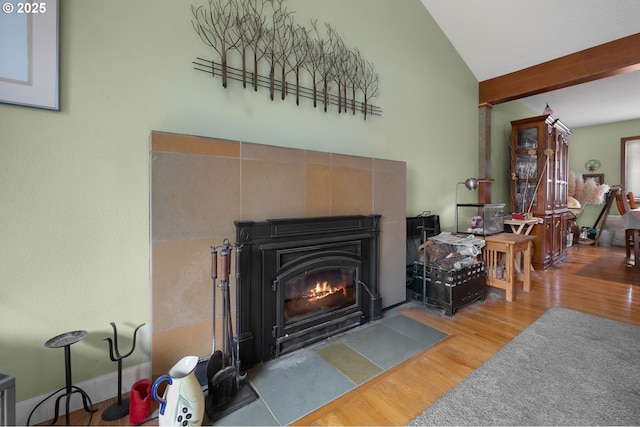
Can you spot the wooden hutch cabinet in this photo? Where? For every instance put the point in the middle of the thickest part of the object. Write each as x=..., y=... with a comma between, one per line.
x=539, y=183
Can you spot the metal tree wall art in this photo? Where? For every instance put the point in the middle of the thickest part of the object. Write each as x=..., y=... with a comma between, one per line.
x=263, y=33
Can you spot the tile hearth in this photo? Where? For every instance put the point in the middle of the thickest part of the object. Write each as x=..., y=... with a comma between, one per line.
x=298, y=383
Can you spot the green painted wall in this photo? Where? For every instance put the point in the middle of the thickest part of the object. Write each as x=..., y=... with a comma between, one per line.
x=74, y=184
x=603, y=143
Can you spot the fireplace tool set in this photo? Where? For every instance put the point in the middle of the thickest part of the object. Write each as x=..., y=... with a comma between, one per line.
x=223, y=368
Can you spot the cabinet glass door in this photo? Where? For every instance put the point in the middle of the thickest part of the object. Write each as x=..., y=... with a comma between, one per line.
x=526, y=166
x=525, y=196
x=527, y=139
x=562, y=178
x=525, y=169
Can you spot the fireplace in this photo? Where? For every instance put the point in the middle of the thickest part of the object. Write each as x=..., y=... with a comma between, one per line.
x=303, y=280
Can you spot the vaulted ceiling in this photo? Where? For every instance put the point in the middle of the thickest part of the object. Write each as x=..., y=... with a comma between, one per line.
x=499, y=37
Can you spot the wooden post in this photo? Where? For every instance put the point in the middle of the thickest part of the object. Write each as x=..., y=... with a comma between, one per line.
x=484, y=153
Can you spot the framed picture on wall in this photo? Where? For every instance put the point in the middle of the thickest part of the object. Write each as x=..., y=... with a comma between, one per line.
x=29, y=51
x=598, y=177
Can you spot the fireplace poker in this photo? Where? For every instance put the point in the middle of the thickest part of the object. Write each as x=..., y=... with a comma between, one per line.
x=215, y=361
x=236, y=356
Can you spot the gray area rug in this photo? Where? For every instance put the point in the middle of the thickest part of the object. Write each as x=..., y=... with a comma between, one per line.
x=567, y=368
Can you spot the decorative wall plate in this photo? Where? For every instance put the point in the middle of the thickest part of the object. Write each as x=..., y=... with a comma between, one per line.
x=592, y=165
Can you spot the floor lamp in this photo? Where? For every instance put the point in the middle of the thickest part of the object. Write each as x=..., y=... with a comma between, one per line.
x=470, y=184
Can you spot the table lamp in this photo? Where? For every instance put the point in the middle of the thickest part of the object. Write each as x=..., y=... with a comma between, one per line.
x=470, y=184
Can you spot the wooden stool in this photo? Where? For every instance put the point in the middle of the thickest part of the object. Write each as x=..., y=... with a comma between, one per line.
x=501, y=250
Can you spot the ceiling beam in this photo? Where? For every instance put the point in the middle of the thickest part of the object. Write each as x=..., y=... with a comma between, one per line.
x=606, y=60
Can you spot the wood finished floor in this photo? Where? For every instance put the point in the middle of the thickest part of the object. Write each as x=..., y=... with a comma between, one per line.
x=594, y=280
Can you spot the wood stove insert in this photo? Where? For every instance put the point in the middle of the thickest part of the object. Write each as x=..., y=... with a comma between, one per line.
x=303, y=280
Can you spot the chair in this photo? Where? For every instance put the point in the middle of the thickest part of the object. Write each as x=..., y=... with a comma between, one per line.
x=632, y=201
x=626, y=202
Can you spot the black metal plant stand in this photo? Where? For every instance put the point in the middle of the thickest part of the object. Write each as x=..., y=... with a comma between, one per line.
x=120, y=408
x=66, y=340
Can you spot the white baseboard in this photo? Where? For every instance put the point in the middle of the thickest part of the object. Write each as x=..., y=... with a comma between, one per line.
x=99, y=389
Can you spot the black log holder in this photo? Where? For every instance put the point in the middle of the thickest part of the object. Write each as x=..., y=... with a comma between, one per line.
x=120, y=408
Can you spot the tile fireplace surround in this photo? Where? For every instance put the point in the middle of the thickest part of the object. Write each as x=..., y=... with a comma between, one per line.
x=200, y=186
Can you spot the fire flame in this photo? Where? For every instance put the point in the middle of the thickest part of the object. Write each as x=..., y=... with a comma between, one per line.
x=322, y=290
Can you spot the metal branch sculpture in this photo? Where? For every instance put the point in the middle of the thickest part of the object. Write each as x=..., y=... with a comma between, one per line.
x=282, y=42
x=248, y=29
x=257, y=26
x=298, y=55
x=353, y=76
x=342, y=66
x=286, y=48
x=214, y=26
x=266, y=30
x=315, y=48
x=270, y=43
x=328, y=65
x=369, y=85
